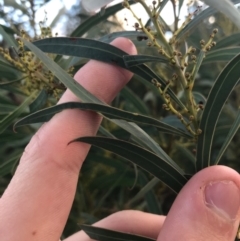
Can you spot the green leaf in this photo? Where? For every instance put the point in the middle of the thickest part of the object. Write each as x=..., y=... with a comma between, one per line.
x=233, y=39
x=9, y=39
x=144, y=140
x=8, y=120
x=200, y=58
x=65, y=78
x=8, y=30
x=68, y=81
x=96, y=19
x=105, y=132
x=192, y=25
x=163, y=4
x=6, y=108
x=218, y=95
x=141, y=157
x=221, y=55
x=227, y=8
x=39, y=102
x=234, y=128
x=133, y=35
x=11, y=82
x=97, y=50
x=132, y=60
x=102, y=234
x=180, y=3
x=198, y=97
x=108, y=111
x=151, y=198
x=8, y=166
x=132, y=98
x=148, y=187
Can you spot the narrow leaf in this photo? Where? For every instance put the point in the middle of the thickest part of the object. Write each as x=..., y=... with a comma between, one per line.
x=96, y=19
x=192, y=25
x=218, y=95
x=8, y=166
x=11, y=82
x=141, y=157
x=150, y=197
x=227, y=8
x=132, y=60
x=221, y=55
x=65, y=78
x=39, y=102
x=180, y=3
x=200, y=58
x=234, y=128
x=149, y=186
x=132, y=98
x=233, y=39
x=97, y=50
x=102, y=234
x=143, y=139
x=108, y=111
x=133, y=35
x=9, y=39
x=163, y=4
x=8, y=120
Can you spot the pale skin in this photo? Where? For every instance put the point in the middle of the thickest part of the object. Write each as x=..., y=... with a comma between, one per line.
x=36, y=204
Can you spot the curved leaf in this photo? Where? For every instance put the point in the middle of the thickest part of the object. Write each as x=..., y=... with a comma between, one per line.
x=143, y=139
x=233, y=130
x=233, y=39
x=97, y=50
x=11, y=82
x=62, y=75
x=8, y=120
x=8, y=166
x=102, y=234
x=151, y=199
x=133, y=35
x=92, y=21
x=148, y=187
x=227, y=8
x=131, y=97
x=8, y=38
x=69, y=82
x=141, y=157
x=192, y=25
x=39, y=102
x=132, y=60
x=221, y=55
x=218, y=95
x=108, y=111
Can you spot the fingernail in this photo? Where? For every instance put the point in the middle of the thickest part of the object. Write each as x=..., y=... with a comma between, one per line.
x=223, y=198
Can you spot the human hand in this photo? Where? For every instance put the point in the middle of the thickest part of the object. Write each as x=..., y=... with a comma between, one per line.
x=37, y=202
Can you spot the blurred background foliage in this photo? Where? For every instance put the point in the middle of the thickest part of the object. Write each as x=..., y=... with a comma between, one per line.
x=107, y=182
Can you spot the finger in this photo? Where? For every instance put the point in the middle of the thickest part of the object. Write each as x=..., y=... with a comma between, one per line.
x=207, y=208
x=38, y=200
x=128, y=221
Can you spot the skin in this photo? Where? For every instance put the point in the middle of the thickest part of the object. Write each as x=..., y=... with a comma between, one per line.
x=37, y=202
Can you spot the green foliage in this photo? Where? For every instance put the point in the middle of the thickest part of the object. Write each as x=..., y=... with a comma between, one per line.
x=179, y=114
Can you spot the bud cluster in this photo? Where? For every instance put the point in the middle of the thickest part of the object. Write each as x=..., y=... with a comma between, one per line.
x=35, y=75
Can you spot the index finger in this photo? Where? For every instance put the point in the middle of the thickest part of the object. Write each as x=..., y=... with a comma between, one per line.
x=37, y=202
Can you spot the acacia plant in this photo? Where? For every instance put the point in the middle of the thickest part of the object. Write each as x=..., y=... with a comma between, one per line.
x=183, y=117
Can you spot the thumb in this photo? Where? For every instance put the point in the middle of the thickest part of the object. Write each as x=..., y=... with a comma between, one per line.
x=206, y=209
